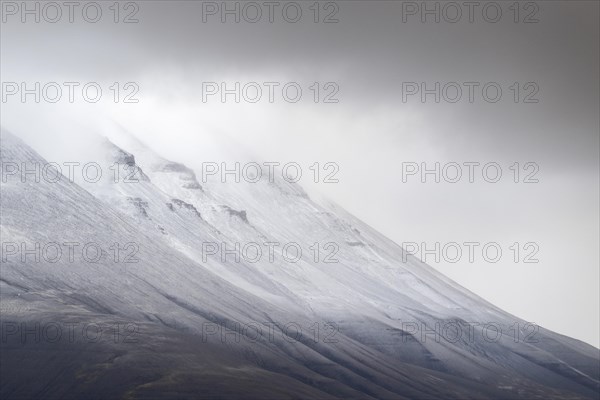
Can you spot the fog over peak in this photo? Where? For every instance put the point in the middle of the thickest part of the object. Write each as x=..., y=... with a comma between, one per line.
x=371, y=133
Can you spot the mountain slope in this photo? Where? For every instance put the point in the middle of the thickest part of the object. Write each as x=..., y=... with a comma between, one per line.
x=357, y=316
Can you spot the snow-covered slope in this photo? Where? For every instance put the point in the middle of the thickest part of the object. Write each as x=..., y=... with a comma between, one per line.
x=362, y=318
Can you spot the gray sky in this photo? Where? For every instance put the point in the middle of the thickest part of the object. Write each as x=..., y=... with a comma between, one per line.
x=370, y=132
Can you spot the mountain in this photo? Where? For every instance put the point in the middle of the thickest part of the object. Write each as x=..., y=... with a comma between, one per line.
x=139, y=291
